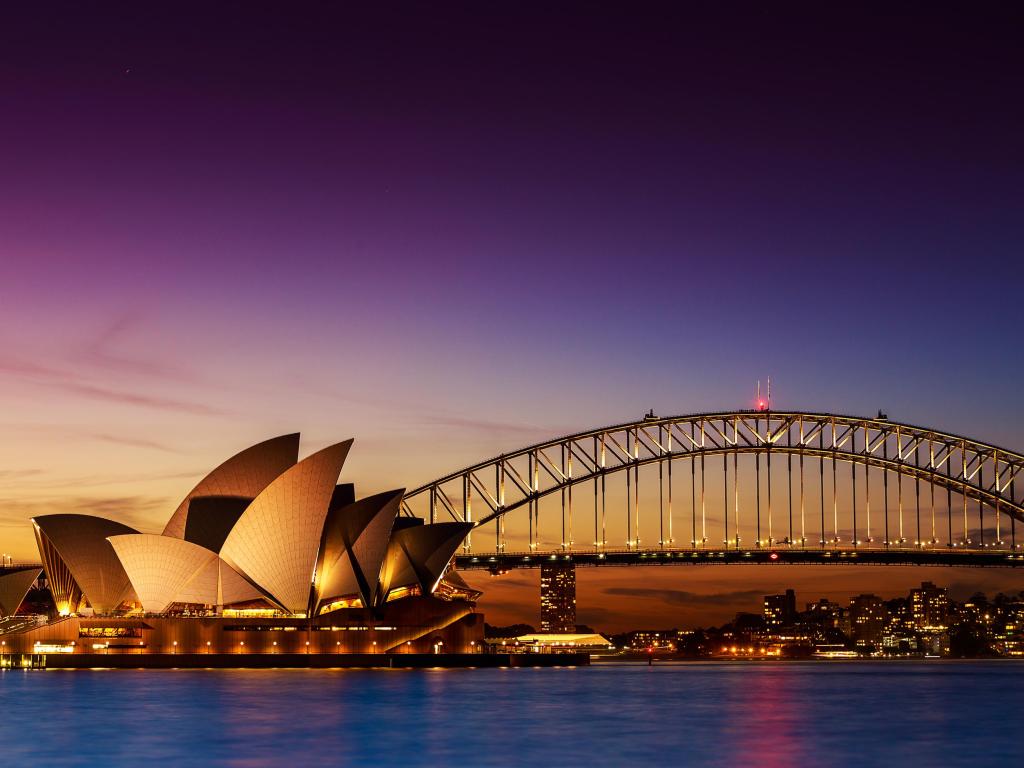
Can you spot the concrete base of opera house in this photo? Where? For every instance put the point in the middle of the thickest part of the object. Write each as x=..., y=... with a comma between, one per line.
x=291, y=660
x=424, y=625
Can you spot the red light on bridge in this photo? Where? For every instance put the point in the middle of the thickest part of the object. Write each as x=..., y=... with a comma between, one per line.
x=764, y=403
x=773, y=556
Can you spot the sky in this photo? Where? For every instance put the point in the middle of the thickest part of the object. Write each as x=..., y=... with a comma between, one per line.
x=453, y=230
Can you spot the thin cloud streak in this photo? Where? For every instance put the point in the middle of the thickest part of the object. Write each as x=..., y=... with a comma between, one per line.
x=18, y=474
x=133, y=442
x=148, y=401
x=40, y=481
x=69, y=382
x=139, y=511
x=101, y=352
x=682, y=597
x=485, y=425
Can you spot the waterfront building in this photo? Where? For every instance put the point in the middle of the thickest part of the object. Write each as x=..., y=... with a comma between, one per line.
x=901, y=636
x=826, y=619
x=978, y=613
x=867, y=621
x=558, y=597
x=934, y=642
x=551, y=642
x=929, y=605
x=780, y=610
x=1010, y=635
x=267, y=554
x=649, y=638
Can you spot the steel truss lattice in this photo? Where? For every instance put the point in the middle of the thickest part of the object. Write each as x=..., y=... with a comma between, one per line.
x=486, y=492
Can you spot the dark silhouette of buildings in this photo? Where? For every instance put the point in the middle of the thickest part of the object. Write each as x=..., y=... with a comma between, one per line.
x=925, y=623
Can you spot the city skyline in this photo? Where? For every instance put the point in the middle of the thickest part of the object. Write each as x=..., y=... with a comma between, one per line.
x=259, y=233
x=686, y=601
x=925, y=622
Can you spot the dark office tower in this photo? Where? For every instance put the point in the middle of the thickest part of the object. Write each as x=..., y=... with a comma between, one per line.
x=558, y=597
x=868, y=616
x=929, y=605
x=780, y=610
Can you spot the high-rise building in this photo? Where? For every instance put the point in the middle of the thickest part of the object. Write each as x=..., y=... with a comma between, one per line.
x=929, y=605
x=780, y=610
x=868, y=616
x=557, y=597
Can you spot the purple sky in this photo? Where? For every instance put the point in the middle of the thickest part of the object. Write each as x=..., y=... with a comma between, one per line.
x=451, y=231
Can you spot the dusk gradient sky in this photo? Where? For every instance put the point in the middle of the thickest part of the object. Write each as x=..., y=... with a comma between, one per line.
x=450, y=230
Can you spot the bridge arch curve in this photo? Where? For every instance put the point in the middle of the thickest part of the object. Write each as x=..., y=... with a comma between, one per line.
x=976, y=473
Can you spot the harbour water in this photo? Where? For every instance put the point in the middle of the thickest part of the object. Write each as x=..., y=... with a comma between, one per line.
x=768, y=714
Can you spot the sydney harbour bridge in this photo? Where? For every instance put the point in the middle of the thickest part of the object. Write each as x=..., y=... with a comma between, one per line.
x=749, y=486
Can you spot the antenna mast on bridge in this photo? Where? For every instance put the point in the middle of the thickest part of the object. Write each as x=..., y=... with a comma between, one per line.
x=765, y=404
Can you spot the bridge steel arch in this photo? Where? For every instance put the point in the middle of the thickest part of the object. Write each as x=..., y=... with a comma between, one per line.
x=975, y=471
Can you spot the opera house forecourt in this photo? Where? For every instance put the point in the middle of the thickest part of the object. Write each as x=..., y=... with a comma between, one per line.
x=267, y=561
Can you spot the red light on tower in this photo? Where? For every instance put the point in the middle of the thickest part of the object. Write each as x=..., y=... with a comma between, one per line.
x=764, y=403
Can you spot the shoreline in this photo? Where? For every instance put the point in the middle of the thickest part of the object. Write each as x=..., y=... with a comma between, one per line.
x=292, y=661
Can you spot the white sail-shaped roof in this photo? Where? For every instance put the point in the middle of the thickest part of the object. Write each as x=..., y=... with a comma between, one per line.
x=233, y=587
x=217, y=583
x=78, y=543
x=276, y=540
x=159, y=567
x=14, y=585
x=165, y=570
x=419, y=555
x=244, y=474
x=355, y=542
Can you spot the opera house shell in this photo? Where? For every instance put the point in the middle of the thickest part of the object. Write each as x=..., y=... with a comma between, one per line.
x=267, y=554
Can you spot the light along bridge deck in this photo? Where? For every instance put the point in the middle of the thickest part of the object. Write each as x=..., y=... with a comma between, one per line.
x=971, y=558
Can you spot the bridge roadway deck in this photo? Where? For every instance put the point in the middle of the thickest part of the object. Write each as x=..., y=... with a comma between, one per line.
x=779, y=556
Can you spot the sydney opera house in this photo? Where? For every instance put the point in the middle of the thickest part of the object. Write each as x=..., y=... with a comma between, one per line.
x=266, y=555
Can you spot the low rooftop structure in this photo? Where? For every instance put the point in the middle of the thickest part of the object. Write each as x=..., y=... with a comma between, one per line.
x=552, y=642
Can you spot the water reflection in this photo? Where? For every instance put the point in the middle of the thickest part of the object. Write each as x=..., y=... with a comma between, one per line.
x=775, y=714
x=763, y=713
